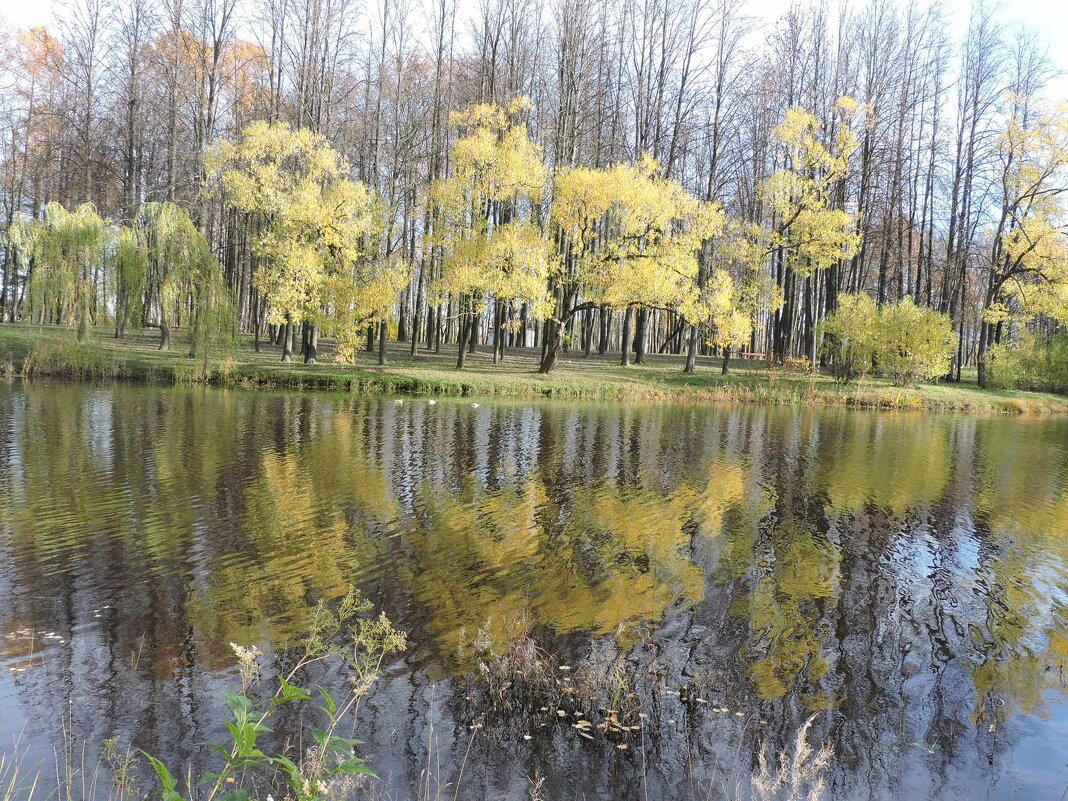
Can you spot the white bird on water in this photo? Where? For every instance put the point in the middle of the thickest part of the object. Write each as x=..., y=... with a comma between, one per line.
x=399, y=401
x=431, y=402
x=474, y=405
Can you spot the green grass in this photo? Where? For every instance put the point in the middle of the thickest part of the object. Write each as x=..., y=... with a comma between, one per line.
x=32, y=350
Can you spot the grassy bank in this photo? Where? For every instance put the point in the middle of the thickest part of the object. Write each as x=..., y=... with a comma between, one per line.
x=45, y=351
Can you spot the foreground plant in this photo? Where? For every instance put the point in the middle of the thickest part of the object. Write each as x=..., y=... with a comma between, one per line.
x=347, y=634
x=796, y=777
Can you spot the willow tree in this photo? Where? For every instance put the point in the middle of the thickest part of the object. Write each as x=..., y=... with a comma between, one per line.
x=17, y=240
x=69, y=250
x=627, y=238
x=131, y=276
x=484, y=207
x=1027, y=271
x=182, y=274
x=317, y=222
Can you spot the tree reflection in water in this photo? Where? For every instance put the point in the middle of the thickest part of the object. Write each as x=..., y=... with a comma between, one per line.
x=905, y=575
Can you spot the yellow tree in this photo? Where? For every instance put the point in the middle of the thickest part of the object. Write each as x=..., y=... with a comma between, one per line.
x=1028, y=267
x=727, y=308
x=809, y=230
x=316, y=223
x=626, y=238
x=483, y=210
x=913, y=343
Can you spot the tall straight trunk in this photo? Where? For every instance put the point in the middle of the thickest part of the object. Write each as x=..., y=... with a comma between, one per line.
x=641, y=338
x=465, y=324
x=83, y=311
x=311, y=343
x=691, y=350
x=287, y=340
x=497, y=331
x=418, y=311
x=980, y=358
x=9, y=255
x=256, y=324
x=383, y=335
x=402, y=318
x=628, y=317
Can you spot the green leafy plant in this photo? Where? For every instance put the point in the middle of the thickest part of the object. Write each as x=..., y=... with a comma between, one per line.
x=1029, y=363
x=347, y=633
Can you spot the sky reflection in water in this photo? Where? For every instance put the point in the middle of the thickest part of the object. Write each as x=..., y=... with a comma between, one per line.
x=906, y=575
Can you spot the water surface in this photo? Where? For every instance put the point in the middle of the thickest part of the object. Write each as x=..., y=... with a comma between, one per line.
x=903, y=576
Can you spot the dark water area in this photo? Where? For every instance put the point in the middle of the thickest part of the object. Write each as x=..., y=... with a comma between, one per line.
x=903, y=577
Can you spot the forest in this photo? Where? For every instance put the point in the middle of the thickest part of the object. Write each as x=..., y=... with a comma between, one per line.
x=853, y=189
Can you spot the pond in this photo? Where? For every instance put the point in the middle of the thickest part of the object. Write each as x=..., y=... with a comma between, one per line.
x=732, y=570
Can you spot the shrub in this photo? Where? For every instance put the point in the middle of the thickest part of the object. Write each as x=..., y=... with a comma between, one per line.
x=905, y=342
x=1028, y=363
x=850, y=333
x=914, y=344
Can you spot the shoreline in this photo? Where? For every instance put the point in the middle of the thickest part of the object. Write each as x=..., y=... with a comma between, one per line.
x=27, y=351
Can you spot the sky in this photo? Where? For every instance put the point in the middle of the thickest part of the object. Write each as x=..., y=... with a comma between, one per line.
x=1048, y=18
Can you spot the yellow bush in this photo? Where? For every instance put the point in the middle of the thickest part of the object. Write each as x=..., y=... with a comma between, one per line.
x=904, y=342
x=914, y=344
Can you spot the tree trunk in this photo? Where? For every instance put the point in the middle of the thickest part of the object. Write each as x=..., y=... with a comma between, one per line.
x=465, y=323
x=691, y=351
x=980, y=360
x=606, y=327
x=256, y=324
x=553, y=341
x=311, y=345
x=383, y=334
x=287, y=341
x=628, y=316
x=641, y=336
